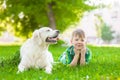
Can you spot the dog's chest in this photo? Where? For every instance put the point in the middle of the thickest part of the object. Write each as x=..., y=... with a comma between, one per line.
x=39, y=56
x=39, y=60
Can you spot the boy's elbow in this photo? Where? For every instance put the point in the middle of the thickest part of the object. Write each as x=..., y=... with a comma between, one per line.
x=72, y=65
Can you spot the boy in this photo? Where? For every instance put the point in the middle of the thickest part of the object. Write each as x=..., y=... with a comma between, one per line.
x=77, y=53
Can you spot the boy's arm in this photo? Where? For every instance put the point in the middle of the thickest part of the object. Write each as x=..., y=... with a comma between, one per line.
x=76, y=58
x=82, y=56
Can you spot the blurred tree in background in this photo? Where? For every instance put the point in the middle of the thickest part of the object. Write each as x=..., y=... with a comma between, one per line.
x=106, y=33
x=24, y=16
x=104, y=30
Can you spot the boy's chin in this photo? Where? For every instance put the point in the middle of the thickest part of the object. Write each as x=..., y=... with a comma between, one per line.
x=78, y=48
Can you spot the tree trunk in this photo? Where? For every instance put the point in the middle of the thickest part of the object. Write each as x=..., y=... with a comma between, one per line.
x=51, y=16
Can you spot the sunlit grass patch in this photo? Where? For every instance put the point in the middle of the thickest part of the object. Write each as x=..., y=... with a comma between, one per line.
x=104, y=65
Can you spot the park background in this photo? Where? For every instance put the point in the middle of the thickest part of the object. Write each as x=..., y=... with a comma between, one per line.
x=100, y=19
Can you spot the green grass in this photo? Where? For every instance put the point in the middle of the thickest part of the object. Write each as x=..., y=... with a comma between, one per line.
x=104, y=65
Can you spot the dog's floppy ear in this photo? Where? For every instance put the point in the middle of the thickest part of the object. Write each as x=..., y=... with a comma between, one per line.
x=36, y=36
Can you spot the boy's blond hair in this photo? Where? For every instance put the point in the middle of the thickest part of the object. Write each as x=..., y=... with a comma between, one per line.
x=78, y=32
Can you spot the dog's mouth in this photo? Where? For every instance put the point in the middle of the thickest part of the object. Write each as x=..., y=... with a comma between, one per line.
x=53, y=39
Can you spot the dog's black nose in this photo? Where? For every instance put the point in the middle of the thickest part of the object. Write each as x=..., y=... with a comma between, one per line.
x=57, y=31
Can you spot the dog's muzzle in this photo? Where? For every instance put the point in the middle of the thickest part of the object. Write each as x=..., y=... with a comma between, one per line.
x=53, y=39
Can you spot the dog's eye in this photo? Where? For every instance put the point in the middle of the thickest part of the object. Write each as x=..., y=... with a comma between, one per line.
x=48, y=30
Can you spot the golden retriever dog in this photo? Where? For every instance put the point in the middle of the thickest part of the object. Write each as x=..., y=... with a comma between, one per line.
x=34, y=52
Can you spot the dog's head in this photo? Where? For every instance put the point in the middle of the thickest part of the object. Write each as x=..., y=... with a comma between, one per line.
x=46, y=35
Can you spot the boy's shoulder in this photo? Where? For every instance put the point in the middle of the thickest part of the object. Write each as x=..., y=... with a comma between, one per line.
x=70, y=47
x=70, y=50
x=88, y=51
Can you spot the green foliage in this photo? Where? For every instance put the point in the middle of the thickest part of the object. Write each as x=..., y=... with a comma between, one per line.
x=106, y=33
x=1, y=29
x=34, y=12
x=11, y=61
x=11, y=55
x=105, y=64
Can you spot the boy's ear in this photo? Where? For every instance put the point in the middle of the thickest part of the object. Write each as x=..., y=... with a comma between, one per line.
x=70, y=41
x=86, y=42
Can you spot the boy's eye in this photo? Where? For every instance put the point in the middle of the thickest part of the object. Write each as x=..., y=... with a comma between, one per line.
x=82, y=40
x=76, y=39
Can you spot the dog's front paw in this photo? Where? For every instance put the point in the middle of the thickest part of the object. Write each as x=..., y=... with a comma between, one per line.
x=19, y=72
x=48, y=70
x=21, y=68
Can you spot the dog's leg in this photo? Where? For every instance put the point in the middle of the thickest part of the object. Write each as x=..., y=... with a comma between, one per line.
x=23, y=65
x=21, y=68
x=48, y=69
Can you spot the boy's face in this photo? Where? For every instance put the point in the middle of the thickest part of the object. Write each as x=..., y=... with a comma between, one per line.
x=78, y=42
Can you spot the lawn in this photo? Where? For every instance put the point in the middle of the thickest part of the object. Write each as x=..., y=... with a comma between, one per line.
x=104, y=65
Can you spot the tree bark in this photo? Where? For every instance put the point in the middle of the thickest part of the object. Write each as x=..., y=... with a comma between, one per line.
x=51, y=18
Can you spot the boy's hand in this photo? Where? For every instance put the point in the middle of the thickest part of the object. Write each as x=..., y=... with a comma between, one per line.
x=76, y=57
x=77, y=51
x=82, y=59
